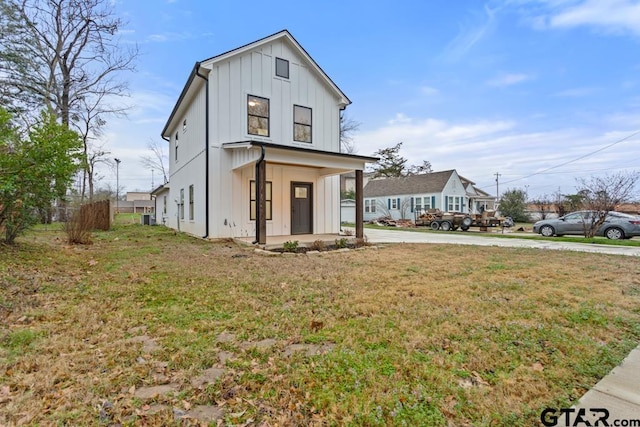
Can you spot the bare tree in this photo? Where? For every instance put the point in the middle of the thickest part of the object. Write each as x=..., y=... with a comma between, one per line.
x=157, y=160
x=544, y=205
x=348, y=127
x=62, y=54
x=425, y=167
x=602, y=194
x=405, y=207
x=89, y=122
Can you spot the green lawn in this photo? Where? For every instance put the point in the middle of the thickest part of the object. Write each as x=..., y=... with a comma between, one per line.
x=512, y=233
x=411, y=334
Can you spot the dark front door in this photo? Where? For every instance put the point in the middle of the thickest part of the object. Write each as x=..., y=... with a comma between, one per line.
x=301, y=208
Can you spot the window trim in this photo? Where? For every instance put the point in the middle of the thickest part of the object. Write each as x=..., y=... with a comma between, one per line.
x=310, y=125
x=191, y=196
x=182, y=204
x=276, y=70
x=267, y=117
x=370, y=205
x=175, y=157
x=253, y=200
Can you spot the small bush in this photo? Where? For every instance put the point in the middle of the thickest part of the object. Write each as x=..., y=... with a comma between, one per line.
x=78, y=227
x=341, y=243
x=348, y=232
x=318, y=245
x=290, y=246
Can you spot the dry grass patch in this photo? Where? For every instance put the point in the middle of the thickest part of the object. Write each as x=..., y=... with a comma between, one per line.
x=418, y=334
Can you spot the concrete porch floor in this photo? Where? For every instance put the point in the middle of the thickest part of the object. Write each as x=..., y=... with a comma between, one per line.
x=304, y=240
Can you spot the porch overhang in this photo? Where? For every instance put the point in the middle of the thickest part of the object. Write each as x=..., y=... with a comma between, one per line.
x=248, y=152
x=260, y=153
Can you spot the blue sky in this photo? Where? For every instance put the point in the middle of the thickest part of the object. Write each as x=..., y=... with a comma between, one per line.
x=523, y=88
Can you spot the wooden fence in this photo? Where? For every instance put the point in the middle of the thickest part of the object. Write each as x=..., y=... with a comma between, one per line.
x=97, y=214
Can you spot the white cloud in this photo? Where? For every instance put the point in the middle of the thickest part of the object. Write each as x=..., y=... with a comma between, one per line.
x=609, y=16
x=509, y=79
x=169, y=36
x=615, y=16
x=578, y=92
x=478, y=149
x=157, y=38
x=428, y=90
x=469, y=36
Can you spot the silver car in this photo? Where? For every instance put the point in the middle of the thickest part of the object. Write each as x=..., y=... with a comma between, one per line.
x=617, y=225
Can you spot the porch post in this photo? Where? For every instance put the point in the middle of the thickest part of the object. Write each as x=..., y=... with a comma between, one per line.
x=261, y=208
x=359, y=206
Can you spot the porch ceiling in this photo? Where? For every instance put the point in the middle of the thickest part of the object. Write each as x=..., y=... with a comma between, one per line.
x=248, y=152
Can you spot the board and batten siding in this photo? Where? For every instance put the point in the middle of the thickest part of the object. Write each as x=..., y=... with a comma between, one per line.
x=326, y=218
x=253, y=73
x=189, y=168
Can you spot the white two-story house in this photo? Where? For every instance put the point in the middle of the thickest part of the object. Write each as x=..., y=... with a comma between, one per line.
x=255, y=146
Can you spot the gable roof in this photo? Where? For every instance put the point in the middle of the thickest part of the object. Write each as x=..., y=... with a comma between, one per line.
x=433, y=182
x=285, y=35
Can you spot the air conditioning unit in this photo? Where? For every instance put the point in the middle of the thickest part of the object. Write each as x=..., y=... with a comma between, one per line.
x=147, y=219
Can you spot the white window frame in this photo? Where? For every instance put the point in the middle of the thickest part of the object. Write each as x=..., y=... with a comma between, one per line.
x=182, y=204
x=191, y=201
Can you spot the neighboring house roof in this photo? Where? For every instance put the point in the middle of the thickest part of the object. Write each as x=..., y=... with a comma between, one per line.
x=284, y=34
x=433, y=182
x=159, y=189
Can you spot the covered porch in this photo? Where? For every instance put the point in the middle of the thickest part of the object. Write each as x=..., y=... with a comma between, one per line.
x=299, y=196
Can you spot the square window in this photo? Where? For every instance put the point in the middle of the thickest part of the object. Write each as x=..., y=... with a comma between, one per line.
x=282, y=68
x=258, y=116
x=301, y=123
x=253, y=200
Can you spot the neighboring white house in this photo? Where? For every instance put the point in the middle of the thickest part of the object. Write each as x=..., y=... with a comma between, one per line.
x=255, y=145
x=404, y=197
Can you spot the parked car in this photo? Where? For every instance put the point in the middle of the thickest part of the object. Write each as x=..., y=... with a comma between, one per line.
x=617, y=225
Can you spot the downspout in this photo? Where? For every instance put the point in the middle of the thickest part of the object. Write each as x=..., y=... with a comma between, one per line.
x=206, y=138
x=258, y=213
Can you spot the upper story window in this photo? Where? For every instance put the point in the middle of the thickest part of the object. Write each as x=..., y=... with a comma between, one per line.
x=184, y=125
x=301, y=124
x=258, y=115
x=176, y=149
x=282, y=68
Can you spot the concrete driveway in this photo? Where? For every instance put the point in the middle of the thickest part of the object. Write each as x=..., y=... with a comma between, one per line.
x=393, y=236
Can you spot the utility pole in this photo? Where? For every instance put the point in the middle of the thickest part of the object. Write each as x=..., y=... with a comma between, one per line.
x=117, y=184
x=498, y=175
x=152, y=187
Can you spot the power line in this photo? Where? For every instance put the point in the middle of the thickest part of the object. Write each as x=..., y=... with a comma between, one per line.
x=571, y=161
x=576, y=159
